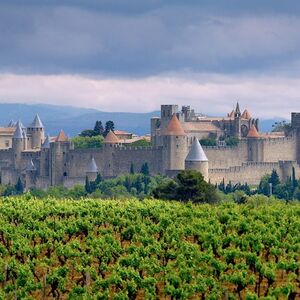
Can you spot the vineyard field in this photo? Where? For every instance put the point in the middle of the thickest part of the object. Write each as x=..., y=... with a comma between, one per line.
x=151, y=249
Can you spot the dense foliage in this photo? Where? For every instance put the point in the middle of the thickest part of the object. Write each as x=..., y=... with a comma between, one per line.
x=141, y=143
x=86, y=142
x=130, y=249
x=189, y=185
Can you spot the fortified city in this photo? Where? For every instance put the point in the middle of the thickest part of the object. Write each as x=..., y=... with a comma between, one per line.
x=42, y=161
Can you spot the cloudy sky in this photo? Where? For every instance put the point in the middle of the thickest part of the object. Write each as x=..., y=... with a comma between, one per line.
x=133, y=55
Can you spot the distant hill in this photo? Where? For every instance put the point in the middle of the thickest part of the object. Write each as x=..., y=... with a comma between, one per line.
x=73, y=120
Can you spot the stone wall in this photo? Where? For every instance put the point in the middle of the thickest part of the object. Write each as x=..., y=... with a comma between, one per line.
x=225, y=157
x=252, y=172
x=279, y=149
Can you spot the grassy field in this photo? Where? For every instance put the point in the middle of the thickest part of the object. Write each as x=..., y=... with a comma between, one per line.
x=130, y=249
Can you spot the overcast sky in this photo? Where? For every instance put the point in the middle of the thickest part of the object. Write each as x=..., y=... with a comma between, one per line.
x=133, y=55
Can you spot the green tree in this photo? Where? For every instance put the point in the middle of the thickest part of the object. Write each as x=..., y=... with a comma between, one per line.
x=98, y=129
x=81, y=142
x=87, y=133
x=189, y=185
x=145, y=169
x=141, y=143
x=19, y=186
x=87, y=185
x=109, y=126
x=131, y=168
x=274, y=179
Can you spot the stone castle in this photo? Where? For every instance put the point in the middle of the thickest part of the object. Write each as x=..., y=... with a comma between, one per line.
x=41, y=161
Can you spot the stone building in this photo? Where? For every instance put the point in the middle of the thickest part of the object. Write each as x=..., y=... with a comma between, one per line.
x=41, y=161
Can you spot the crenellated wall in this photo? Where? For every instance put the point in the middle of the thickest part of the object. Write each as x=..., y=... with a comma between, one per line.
x=225, y=157
x=252, y=172
x=279, y=149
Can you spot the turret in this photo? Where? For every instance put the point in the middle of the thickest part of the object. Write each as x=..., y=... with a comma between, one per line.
x=174, y=145
x=110, y=142
x=197, y=160
x=36, y=130
x=58, y=158
x=237, y=121
x=255, y=145
x=17, y=145
x=167, y=111
x=92, y=170
x=44, y=157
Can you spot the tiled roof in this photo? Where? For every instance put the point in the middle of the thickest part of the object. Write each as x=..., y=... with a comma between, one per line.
x=200, y=126
x=196, y=153
x=174, y=127
x=246, y=115
x=61, y=137
x=111, y=138
x=253, y=133
x=231, y=115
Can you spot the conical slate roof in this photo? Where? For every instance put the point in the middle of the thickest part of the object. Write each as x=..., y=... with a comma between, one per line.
x=30, y=166
x=18, y=132
x=174, y=127
x=36, y=123
x=24, y=134
x=92, y=166
x=46, y=144
x=253, y=133
x=196, y=153
x=11, y=123
x=246, y=115
x=111, y=138
x=61, y=137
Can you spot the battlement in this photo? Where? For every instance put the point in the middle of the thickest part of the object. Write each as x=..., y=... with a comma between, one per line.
x=296, y=120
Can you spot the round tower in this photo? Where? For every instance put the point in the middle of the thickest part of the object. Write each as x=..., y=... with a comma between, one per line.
x=109, y=145
x=255, y=146
x=17, y=145
x=92, y=170
x=174, y=146
x=44, y=157
x=197, y=160
x=36, y=130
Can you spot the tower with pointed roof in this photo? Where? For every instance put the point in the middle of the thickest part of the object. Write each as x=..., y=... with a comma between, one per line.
x=174, y=145
x=44, y=157
x=237, y=121
x=37, y=133
x=92, y=170
x=18, y=145
x=255, y=145
x=59, y=158
x=197, y=159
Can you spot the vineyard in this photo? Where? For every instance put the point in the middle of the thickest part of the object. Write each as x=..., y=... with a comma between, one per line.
x=130, y=249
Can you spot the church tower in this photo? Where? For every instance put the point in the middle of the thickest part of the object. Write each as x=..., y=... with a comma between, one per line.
x=237, y=121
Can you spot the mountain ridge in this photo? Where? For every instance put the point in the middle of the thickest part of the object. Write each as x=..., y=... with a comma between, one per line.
x=75, y=119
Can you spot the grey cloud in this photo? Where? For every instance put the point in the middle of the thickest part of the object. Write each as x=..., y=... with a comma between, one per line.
x=134, y=38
